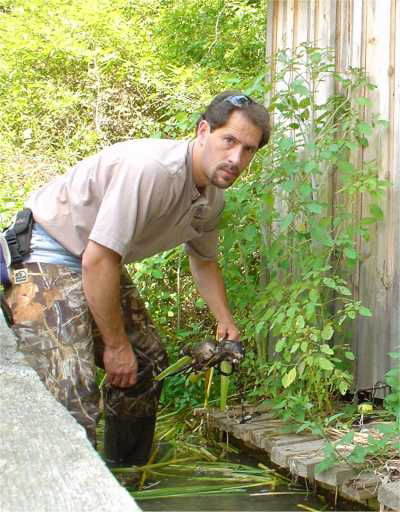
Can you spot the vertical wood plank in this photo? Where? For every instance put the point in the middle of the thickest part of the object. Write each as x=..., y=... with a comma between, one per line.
x=324, y=35
x=394, y=160
x=290, y=25
x=280, y=6
x=365, y=33
x=374, y=334
x=302, y=14
x=356, y=34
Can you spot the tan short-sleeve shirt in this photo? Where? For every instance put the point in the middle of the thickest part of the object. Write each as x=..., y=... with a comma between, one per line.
x=136, y=198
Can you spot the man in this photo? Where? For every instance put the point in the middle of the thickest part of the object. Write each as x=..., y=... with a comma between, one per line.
x=79, y=308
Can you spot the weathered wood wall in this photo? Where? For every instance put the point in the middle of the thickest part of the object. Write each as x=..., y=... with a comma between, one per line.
x=364, y=33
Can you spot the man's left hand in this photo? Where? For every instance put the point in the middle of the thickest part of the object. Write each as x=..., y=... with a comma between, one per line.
x=227, y=331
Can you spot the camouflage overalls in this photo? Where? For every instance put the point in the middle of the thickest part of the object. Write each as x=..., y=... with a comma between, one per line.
x=59, y=339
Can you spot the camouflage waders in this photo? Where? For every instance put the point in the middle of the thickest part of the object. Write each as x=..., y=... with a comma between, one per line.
x=59, y=339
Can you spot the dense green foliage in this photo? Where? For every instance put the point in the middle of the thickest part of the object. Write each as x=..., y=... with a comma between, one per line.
x=77, y=76
x=304, y=232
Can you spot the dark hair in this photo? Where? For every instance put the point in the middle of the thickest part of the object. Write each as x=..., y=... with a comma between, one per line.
x=219, y=110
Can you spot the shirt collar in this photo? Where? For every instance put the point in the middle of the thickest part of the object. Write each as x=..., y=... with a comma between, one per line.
x=197, y=197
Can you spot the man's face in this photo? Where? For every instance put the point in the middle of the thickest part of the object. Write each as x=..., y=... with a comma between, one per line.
x=226, y=151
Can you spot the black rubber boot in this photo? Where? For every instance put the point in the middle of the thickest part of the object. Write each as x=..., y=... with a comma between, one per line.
x=127, y=440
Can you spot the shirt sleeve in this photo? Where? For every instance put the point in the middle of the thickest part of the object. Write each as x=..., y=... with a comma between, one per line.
x=204, y=247
x=132, y=198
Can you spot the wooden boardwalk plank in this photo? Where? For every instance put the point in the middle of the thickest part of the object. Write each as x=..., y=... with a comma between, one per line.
x=300, y=453
x=282, y=453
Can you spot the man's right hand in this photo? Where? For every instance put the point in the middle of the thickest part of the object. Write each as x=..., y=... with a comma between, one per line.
x=121, y=365
x=101, y=272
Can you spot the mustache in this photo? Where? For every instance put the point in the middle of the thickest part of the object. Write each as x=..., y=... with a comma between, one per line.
x=228, y=167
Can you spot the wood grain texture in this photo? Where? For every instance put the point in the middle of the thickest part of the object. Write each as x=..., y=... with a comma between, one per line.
x=364, y=33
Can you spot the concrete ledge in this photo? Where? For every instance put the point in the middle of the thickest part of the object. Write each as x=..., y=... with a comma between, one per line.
x=46, y=462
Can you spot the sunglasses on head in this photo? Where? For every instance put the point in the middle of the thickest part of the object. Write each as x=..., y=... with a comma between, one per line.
x=239, y=101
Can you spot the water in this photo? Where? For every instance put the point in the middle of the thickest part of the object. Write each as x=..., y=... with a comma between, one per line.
x=243, y=502
x=234, y=502
x=299, y=499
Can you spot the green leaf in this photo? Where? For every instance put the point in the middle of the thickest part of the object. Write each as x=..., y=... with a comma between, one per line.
x=289, y=185
x=376, y=211
x=346, y=166
x=294, y=348
x=329, y=460
x=364, y=128
x=327, y=332
x=183, y=361
x=351, y=145
x=314, y=295
x=364, y=101
x=285, y=223
x=367, y=221
x=325, y=364
x=270, y=311
x=200, y=303
x=285, y=143
x=229, y=240
x=344, y=290
x=305, y=190
x=181, y=116
x=394, y=372
x=350, y=253
x=300, y=368
x=364, y=311
x=321, y=235
x=326, y=155
x=359, y=454
x=326, y=349
x=282, y=107
x=383, y=122
x=330, y=283
x=280, y=345
x=346, y=439
x=250, y=232
x=305, y=102
x=304, y=346
x=349, y=355
x=299, y=88
x=279, y=318
x=314, y=207
x=310, y=166
x=316, y=57
x=289, y=377
x=300, y=323
x=259, y=327
x=310, y=311
x=156, y=273
x=386, y=428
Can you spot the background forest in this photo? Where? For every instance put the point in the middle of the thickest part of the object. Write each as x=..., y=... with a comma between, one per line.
x=77, y=76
